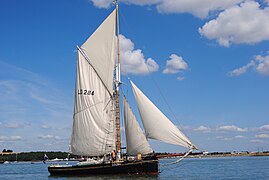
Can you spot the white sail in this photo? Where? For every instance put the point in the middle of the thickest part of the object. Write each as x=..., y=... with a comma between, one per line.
x=135, y=139
x=93, y=131
x=156, y=124
x=93, y=119
x=100, y=49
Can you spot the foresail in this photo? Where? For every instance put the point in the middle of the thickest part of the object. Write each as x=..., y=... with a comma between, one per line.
x=135, y=139
x=93, y=131
x=100, y=50
x=156, y=124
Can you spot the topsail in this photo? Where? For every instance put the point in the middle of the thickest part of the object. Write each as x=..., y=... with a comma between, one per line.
x=100, y=49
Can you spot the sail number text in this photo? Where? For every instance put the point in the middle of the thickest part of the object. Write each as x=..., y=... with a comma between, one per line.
x=85, y=92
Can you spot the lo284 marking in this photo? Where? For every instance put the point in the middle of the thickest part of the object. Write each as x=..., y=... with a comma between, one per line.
x=85, y=92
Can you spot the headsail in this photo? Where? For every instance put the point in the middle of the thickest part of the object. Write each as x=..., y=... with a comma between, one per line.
x=100, y=48
x=93, y=132
x=156, y=124
x=135, y=139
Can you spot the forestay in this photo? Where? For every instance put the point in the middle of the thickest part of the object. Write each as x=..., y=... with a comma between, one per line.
x=135, y=139
x=156, y=124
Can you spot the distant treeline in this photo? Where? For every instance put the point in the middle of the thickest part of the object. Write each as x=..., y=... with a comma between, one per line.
x=215, y=154
x=39, y=156
x=34, y=156
x=7, y=150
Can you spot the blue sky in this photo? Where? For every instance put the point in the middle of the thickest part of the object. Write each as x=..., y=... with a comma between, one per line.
x=210, y=63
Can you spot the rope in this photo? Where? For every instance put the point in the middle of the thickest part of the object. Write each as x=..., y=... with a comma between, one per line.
x=180, y=159
x=170, y=168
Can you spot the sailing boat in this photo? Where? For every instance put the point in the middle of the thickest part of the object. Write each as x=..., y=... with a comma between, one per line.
x=96, y=119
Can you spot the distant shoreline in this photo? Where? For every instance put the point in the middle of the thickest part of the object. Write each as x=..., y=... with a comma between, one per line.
x=62, y=156
x=214, y=154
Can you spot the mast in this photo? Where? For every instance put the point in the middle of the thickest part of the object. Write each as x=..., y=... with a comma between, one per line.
x=118, y=139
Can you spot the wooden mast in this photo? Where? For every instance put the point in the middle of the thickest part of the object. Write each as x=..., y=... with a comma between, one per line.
x=118, y=140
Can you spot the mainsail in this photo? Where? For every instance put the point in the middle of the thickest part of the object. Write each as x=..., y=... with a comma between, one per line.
x=93, y=132
x=156, y=124
x=135, y=139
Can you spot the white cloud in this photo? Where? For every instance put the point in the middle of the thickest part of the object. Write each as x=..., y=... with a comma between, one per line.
x=264, y=127
x=224, y=138
x=262, y=136
x=260, y=64
x=227, y=139
x=203, y=129
x=57, y=137
x=142, y=2
x=180, y=78
x=197, y=8
x=231, y=128
x=133, y=60
x=175, y=64
x=25, y=75
x=102, y=3
x=239, y=137
x=241, y=70
x=184, y=127
x=10, y=138
x=12, y=125
x=40, y=98
x=256, y=141
x=107, y=3
x=48, y=136
x=244, y=23
x=46, y=126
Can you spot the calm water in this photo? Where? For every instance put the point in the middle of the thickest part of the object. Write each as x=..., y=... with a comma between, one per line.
x=238, y=168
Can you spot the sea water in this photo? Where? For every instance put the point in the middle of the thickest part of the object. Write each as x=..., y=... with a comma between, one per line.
x=238, y=168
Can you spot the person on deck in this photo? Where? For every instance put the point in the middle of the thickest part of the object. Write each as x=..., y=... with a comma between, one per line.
x=113, y=154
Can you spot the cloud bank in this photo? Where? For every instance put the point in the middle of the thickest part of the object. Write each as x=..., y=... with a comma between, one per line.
x=244, y=23
x=236, y=22
x=197, y=8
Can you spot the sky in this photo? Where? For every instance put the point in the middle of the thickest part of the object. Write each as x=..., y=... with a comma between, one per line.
x=205, y=64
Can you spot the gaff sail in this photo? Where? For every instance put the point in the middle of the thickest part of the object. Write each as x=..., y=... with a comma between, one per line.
x=93, y=131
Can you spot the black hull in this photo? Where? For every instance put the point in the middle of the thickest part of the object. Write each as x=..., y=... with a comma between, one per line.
x=138, y=167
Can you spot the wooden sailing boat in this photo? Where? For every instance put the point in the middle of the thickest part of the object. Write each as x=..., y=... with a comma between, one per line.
x=96, y=117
